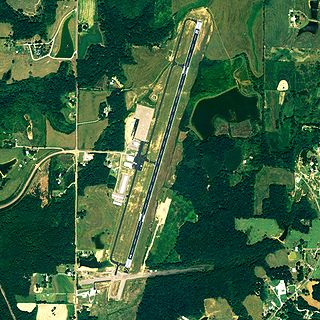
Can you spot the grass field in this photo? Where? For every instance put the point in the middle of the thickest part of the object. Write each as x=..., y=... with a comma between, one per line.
x=87, y=9
x=98, y=219
x=266, y=177
x=59, y=139
x=89, y=133
x=258, y=229
x=27, y=6
x=237, y=31
x=89, y=102
x=61, y=283
x=277, y=259
x=5, y=29
x=218, y=309
x=254, y=306
x=150, y=63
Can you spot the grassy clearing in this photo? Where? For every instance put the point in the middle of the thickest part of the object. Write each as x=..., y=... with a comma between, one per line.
x=27, y=6
x=62, y=283
x=89, y=102
x=241, y=31
x=150, y=63
x=89, y=133
x=264, y=179
x=119, y=310
x=312, y=239
x=254, y=306
x=98, y=219
x=87, y=9
x=277, y=259
x=59, y=139
x=258, y=229
x=218, y=309
x=5, y=29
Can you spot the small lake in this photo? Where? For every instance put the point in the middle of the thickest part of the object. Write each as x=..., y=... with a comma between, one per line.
x=231, y=106
x=6, y=167
x=66, y=45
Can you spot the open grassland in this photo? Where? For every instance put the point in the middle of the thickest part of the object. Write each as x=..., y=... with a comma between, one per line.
x=150, y=63
x=218, y=309
x=89, y=133
x=266, y=177
x=21, y=64
x=278, y=33
x=87, y=9
x=258, y=229
x=278, y=258
x=89, y=103
x=5, y=29
x=254, y=306
x=64, y=7
x=29, y=7
x=237, y=29
x=59, y=139
x=102, y=217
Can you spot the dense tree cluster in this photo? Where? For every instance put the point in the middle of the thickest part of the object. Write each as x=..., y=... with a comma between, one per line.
x=113, y=136
x=120, y=32
x=36, y=97
x=34, y=239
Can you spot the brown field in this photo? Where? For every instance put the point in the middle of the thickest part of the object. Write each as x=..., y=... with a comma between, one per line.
x=89, y=133
x=98, y=218
x=28, y=6
x=21, y=64
x=237, y=31
x=264, y=179
x=5, y=29
x=218, y=309
x=277, y=259
x=89, y=102
x=59, y=139
x=254, y=306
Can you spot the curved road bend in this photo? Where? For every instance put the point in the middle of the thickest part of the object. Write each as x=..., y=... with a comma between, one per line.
x=32, y=174
x=163, y=143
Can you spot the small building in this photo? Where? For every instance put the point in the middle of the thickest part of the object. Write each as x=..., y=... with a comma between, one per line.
x=120, y=195
x=143, y=117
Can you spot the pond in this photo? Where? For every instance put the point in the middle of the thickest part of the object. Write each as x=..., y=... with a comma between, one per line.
x=6, y=167
x=66, y=45
x=231, y=106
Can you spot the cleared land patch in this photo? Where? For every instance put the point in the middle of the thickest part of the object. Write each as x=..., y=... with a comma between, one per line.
x=266, y=177
x=101, y=218
x=58, y=139
x=258, y=229
x=29, y=7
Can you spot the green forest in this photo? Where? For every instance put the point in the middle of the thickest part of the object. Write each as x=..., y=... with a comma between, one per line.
x=39, y=98
x=34, y=239
x=122, y=28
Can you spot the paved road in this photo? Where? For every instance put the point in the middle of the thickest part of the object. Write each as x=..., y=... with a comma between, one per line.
x=163, y=144
x=32, y=174
x=149, y=274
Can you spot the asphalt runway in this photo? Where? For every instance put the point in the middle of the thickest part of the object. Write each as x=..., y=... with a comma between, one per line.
x=163, y=144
